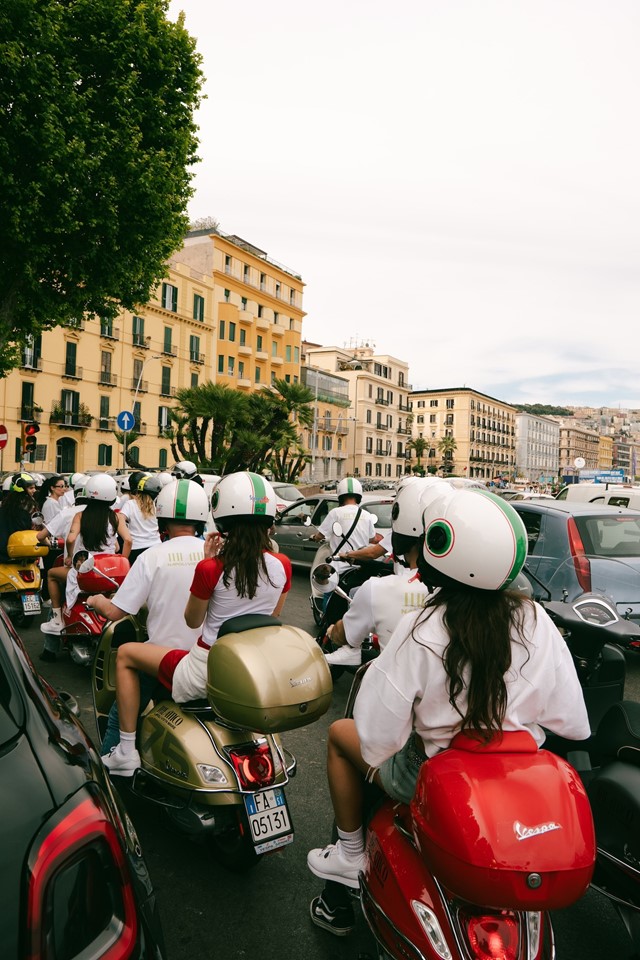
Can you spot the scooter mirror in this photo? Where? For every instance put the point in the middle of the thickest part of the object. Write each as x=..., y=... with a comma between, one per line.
x=307, y=521
x=336, y=526
x=87, y=565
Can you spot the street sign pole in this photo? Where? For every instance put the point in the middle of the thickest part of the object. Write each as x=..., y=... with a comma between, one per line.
x=125, y=421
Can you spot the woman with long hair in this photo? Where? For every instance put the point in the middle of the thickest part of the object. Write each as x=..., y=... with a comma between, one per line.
x=17, y=509
x=240, y=574
x=95, y=529
x=50, y=497
x=140, y=513
x=478, y=658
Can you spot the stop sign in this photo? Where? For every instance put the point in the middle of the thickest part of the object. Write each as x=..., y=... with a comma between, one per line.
x=4, y=436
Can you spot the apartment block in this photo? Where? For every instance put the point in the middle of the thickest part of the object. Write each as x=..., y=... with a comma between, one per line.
x=537, y=448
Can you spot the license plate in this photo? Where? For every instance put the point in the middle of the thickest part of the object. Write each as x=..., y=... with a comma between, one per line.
x=30, y=602
x=268, y=819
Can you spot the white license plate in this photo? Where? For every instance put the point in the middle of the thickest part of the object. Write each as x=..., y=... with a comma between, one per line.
x=268, y=819
x=30, y=602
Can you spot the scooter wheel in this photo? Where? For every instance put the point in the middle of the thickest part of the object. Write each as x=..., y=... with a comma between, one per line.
x=232, y=847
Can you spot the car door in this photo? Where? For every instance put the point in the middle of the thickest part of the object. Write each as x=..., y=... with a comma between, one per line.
x=292, y=533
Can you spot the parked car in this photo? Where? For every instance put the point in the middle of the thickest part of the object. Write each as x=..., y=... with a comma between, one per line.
x=576, y=547
x=74, y=883
x=286, y=494
x=301, y=520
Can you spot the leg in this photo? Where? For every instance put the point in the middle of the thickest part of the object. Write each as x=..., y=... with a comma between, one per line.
x=56, y=580
x=131, y=658
x=112, y=732
x=345, y=770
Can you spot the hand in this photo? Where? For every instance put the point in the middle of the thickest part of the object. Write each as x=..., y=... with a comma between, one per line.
x=67, y=561
x=212, y=545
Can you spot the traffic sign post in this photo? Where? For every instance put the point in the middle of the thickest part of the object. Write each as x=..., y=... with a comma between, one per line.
x=126, y=421
x=4, y=436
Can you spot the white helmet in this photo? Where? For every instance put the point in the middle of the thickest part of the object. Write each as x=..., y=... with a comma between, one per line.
x=6, y=483
x=407, y=510
x=243, y=496
x=351, y=487
x=73, y=479
x=185, y=469
x=164, y=477
x=474, y=538
x=182, y=500
x=101, y=487
x=79, y=482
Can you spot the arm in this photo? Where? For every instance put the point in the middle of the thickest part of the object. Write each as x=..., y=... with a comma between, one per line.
x=195, y=611
x=72, y=536
x=105, y=607
x=277, y=610
x=371, y=552
x=123, y=533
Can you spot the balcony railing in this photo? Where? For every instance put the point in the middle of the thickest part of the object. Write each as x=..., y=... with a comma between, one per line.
x=140, y=341
x=29, y=413
x=169, y=351
x=78, y=323
x=140, y=386
x=382, y=402
x=72, y=373
x=29, y=362
x=110, y=333
x=167, y=391
x=108, y=379
x=79, y=421
x=196, y=357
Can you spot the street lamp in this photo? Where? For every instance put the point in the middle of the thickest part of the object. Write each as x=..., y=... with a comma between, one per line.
x=155, y=356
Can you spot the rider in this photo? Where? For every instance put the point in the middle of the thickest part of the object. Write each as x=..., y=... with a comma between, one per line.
x=478, y=658
x=187, y=470
x=239, y=575
x=139, y=512
x=17, y=509
x=160, y=580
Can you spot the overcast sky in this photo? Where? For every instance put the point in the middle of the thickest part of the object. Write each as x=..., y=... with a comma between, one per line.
x=456, y=181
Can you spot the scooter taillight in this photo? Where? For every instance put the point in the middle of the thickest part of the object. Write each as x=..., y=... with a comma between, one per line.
x=27, y=575
x=253, y=765
x=491, y=936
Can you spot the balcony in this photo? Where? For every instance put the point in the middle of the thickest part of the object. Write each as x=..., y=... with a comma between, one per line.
x=72, y=373
x=105, y=423
x=382, y=402
x=108, y=379
x=109, y=333
x=245, y=317
x=262, y=323
x=276, y=361
x=261, y=355
x=244, y=382
x=277, y=330
x=29, y=362
x=72, y=419
x=381, y=426
x=245, y=351
x=405, y=386
x=140, y=341
x=405, y=407
x=139, y=386
x=78, y=323
x=404, y=430
x=167, y=391
x=169, y=351
x=32, y=413
x=196, y=357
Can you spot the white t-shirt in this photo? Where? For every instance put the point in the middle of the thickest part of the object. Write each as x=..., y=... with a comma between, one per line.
x=380, y=603
x=161, y=578
x=108, y=545
x=51, y=508
x=144, y=530
x=405, y=688
x=60, y=525
x=363, y=532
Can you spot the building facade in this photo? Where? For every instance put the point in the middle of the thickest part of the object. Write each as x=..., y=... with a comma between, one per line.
x=537, y=448
x=327, y=438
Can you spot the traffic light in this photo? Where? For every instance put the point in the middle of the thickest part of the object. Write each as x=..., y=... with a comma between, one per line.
x=31, y=441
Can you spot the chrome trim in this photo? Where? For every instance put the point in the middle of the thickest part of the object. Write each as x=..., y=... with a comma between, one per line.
x=365, y=890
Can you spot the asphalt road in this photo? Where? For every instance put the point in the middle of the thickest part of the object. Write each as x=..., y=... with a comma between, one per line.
x=209, y=913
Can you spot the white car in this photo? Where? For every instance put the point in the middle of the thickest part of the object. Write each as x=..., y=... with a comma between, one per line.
x=286, y=494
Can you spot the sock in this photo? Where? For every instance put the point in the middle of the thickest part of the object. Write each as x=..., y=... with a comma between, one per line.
x=352, y=843
x=127, y=742
x=56, y=613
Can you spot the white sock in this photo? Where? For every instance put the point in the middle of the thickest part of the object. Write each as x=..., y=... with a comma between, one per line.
x=56, y=613
x=352, y=843
x=127, y=742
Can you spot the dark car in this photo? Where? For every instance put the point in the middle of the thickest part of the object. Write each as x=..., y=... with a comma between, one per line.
x=576, y=548
x=299, y=522
x=73, y=883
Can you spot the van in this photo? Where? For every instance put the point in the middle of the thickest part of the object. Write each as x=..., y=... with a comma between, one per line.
x=623, y=496
x=614, y=494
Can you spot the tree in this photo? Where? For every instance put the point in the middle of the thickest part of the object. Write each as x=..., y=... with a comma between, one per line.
x=96, y=140
x=419, y=444
x=447, y=446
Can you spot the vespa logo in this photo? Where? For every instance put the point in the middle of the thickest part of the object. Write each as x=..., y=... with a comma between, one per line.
x=299, y=683
x=525, y=833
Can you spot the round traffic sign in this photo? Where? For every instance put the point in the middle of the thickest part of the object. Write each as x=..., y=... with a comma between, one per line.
x=579, y=463
x=4, y=436
x=125, y=420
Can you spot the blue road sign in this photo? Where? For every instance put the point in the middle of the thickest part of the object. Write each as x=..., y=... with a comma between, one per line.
x=125, y=420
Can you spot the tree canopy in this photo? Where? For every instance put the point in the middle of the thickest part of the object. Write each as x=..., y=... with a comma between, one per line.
x=96, y=139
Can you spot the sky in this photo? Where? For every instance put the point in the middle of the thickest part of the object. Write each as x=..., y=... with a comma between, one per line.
x=456, y=181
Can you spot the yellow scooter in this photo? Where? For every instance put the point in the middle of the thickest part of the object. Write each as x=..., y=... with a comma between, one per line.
x=21, y=576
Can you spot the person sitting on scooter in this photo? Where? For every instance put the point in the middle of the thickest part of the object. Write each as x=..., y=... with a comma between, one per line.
x=95, y=529
x=139, y=512
x=187, y=470
x=479, y=658
x=160, y=580
x=17, y=510
x=358, y=525
x=239, y=575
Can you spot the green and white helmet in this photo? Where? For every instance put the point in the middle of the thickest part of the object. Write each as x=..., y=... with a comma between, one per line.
x=349, y=487
x=182, y=500
x=474, y=538
x=243, y=497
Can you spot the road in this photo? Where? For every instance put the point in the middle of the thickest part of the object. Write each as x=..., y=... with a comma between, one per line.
x=209, y=914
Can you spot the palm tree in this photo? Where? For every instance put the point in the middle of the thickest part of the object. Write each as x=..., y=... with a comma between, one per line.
x=419, y=445
x=447, y=446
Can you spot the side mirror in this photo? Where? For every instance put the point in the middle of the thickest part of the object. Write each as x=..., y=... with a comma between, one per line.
x=87, y=565
x=336, y=526
x=307, y=521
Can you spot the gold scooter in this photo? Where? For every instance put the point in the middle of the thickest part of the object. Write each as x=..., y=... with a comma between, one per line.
x=21, y=576
x=217, y=766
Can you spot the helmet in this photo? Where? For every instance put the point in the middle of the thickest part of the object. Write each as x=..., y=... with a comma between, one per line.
x=101, y=487
x=75, y=477
x=151, y=484
x=134, y=480
x=182, y=500
x=79, y=483
x=20, y=482
x=185, y=469
x=349, y=487
x=164, y=477
x=39, y=478
x=243, y=496
x=474, y=538
x=6, y=483
x=408, y=508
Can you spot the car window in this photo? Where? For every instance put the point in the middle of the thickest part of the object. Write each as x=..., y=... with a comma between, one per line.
x=287, y=491
x=532, y=522
x=298, y=513
x=610, y=536
x=323, y=509
x=380, y=510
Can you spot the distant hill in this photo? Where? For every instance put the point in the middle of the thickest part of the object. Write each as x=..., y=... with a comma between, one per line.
x=543, y=410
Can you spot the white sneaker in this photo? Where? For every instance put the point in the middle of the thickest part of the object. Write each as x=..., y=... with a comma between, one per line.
x=52, y=626
x=345, y=656
x=330, y=863
x=121, y=764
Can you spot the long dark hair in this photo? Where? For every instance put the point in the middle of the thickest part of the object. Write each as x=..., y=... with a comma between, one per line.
x=94, y=524
x=480, y=624
x=45, y=489
x=243, y=556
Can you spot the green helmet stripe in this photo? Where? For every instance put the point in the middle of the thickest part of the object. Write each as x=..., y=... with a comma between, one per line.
x=349, y=484
x=181, y=499
x=259, y=495
x=519, y=535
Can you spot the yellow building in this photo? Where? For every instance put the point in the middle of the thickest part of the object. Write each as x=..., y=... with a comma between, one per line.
x=75, y=380
x=479, y=428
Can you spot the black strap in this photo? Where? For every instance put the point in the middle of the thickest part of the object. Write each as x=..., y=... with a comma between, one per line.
x=345, y=539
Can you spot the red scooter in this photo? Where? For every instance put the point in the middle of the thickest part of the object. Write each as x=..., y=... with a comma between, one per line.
x=496, y=836
x=100, y=573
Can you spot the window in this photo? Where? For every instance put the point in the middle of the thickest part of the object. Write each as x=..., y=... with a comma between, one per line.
x=243, y=337
x=274, y=349
x=221, y=330
x=167, y=340
x=71, y=351
x=227, y=296
x=103, y=423
x=367, y=469
x=106, y=327
x=292, y=297
x=194, y=380
x=370, y=391
x=433, y=403
x=163, y=418
x=227, y=263
x=26, y=405
x=378, y=469
x=246, y=274
x=220, y=363
x=240, y=369
x=368, y=417
x=231, y=366
x=259, y=343
x=105, y=366
x=198, y=307
x=263, y=281
x=162, y=459
x=287, y=353
x=165, y=384
x=278, y=294
x=276, y=316
x=258, y=375
x=260, y=309
x=170, y=297
x=194, y=349
x=369, y=445
x=104, y=455
x=450, y=404
x=232, y=331
x=420, y=419
x=137, y=414
x=244, y=303
x=296, y=354
x=432, y=418
x=138, y=332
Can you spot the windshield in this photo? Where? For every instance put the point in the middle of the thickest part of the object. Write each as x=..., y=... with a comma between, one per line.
x=382, y=511
x=286, y=491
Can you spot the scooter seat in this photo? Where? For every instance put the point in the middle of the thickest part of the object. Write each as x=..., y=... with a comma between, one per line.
x=248, y=621
x=619, y=732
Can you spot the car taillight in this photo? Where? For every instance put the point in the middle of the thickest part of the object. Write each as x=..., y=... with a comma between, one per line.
x=492, y=936
x=580, y=559
x=79, y=896
x=253, y=764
